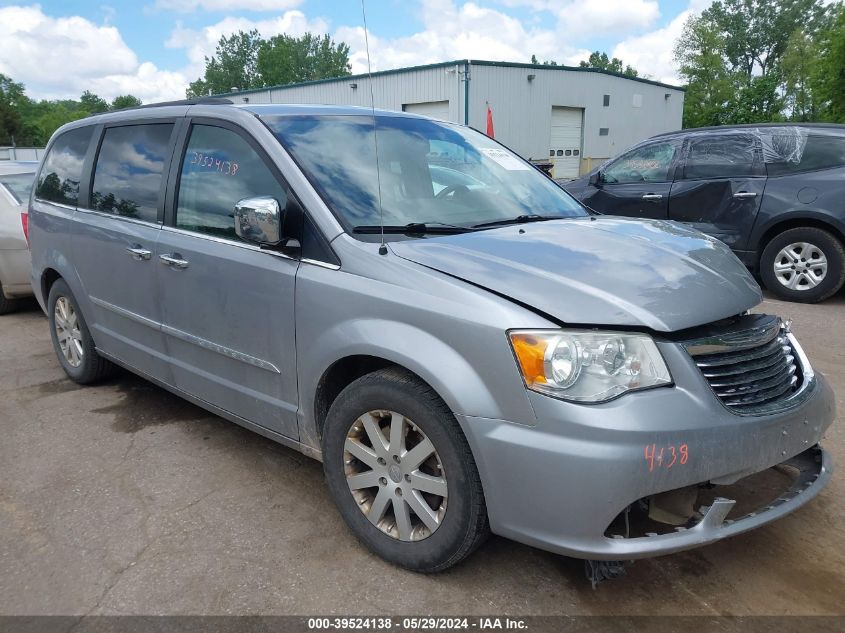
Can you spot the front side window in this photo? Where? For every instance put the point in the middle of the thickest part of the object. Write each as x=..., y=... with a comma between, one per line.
x=219, y=169
x=649, y=163
x=62, y=170
x=720, y=156
x=429, y=172
x=127, y=179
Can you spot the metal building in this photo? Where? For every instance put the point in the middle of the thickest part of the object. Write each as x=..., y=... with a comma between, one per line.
x=575, y=117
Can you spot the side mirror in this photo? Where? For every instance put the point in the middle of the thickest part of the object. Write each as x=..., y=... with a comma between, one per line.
x=596, y=178
x=259, y=220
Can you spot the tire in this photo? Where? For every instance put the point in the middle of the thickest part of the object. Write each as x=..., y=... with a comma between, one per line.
x=83, y=365
x=7, y=305
x=816, y=244
x=462, y=525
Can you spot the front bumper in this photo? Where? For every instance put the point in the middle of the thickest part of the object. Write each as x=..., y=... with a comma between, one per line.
x=558, y=485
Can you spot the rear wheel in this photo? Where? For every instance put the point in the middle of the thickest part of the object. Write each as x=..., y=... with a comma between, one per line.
x=401, y=472
x=804, y=264
x=7, y=305
x=72, y=341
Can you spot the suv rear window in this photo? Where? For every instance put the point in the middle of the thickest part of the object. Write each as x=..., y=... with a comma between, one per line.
x=820, y=152
x=720, y=156
x=127, y=179
x=62, y=170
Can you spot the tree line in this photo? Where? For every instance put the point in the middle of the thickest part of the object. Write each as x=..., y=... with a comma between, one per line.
x=742, y=61
x=27, y=122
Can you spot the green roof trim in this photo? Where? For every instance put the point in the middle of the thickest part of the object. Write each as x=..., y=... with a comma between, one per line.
x=459, y=62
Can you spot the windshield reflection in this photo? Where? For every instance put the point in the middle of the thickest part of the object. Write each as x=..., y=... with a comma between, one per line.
x=430, y=172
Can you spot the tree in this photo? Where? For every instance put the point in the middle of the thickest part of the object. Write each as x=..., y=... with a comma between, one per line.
x=601, y=60
x=233, y=66
x=828, y=76
x=12, y=99
x=93, y=103
x=284, y=59
x=744, y=63
x=125, y=101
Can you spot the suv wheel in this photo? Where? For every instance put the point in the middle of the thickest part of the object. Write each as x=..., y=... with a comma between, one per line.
x=72, y=341
x=804, y=264
x=401, y=472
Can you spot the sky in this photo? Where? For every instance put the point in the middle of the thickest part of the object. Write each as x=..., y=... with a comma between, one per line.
x=154, y=48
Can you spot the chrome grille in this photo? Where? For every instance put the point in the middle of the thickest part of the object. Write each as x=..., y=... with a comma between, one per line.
x=752, y=370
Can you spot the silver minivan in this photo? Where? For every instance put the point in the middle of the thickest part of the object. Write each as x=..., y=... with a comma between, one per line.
x=464, y=346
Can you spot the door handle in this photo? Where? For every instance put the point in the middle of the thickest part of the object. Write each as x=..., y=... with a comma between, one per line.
x=652, y=196
x=139, y=253
x=745, y=194
x=174, y=261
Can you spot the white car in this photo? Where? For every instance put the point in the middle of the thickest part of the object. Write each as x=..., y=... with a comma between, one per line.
x=16, y=180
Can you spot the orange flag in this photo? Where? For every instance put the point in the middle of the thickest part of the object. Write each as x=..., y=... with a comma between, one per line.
x=490, y=122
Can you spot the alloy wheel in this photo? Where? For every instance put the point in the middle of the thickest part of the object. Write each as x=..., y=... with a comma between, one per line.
x=67, y=332
x=800, y=266
x=395, y=475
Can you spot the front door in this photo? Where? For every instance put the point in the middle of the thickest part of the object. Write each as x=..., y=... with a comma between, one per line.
x=637, y=184
x=227, y=305
x=115, y=244
x=721, y=187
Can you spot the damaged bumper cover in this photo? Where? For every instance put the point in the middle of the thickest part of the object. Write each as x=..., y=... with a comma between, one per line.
x=559, y=485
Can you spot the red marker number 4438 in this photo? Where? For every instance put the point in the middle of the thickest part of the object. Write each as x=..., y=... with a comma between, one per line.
x=666, y=456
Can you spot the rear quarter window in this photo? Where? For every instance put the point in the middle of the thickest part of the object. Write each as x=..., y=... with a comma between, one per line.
x=820, y=152
x=62, y=170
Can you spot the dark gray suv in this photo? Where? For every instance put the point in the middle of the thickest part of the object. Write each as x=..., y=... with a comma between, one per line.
x=774, y=193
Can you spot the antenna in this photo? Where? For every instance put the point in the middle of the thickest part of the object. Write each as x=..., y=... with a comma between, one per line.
x=382, y=249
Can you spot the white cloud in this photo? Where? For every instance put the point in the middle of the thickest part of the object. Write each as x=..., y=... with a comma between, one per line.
x=188, y=6
x=63, y=57
x=202, y=43
x=652, y=53
x=579, y=18
x=458, y=32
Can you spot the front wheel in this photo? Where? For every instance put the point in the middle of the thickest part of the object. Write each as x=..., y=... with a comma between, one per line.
x=804, y=264
x=401, y=472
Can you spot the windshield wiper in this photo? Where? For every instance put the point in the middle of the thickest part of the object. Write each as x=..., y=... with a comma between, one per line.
x=413, y=228
x=520, y=219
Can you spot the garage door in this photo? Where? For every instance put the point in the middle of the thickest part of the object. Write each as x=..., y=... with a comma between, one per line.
x=565, y=144
x=434, y=109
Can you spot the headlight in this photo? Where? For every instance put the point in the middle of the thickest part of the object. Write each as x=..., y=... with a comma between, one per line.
x=588, y=366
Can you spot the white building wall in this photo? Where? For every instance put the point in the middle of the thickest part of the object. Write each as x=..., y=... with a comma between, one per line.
x=522, y=109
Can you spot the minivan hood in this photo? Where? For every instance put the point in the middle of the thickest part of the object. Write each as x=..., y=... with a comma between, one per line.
x=599, y=270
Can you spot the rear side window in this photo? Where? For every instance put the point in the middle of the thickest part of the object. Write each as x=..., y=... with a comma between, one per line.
x=820, y=152
x=62, y=170
x=720, y=156
x=127, y=179
x=219, y=169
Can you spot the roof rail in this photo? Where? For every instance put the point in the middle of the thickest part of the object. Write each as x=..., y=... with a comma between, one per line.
x=183, y=102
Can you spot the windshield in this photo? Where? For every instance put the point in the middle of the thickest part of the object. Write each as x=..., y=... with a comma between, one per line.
x=431, y=172
x=19, y=185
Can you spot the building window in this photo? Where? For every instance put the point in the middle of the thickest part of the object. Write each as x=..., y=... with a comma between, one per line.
x=604, y=131
x=637, y=101
x=576, y=152
x=606, y=100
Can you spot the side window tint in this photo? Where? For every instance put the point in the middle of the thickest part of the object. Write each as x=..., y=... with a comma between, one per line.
x=127, y=179
x=721, y=156
x=820, y=152
x=650, y=163
x=219, y=169
x=62, y=170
